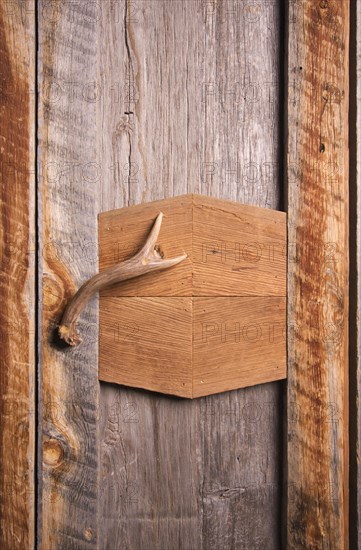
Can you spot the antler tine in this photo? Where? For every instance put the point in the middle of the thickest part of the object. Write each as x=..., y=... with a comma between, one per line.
x=152, y=237
x=150, y=254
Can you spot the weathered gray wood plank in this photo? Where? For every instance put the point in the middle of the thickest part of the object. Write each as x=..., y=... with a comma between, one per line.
x=17, y=275
x=318, y=220
x=69, y=204
x=200, y=83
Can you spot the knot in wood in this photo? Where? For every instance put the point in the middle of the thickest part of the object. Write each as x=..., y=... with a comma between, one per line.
x=53, y=452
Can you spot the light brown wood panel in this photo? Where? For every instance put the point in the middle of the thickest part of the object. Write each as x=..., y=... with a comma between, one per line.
x=237, y=342
x=237, y=250
x=233, y=249
x=147, y=343
x=192, y=347
x=17, y=276
x=197, y=111
x=69, y=205
x=318, y=210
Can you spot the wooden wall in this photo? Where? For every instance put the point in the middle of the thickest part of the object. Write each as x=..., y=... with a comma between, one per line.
x=140, y=101
x=110, y=103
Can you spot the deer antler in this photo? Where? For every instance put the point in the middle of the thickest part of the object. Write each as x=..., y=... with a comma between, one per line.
x=147, y=259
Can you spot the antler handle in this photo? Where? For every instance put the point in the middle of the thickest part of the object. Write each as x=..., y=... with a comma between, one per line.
x=146, y=260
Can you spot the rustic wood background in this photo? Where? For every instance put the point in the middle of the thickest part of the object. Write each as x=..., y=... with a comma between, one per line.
x=143, y=100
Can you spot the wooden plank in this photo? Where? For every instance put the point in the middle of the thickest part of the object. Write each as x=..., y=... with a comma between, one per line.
x=192, y=347
x=237, y=342
x=17, y=278
x=197, y=111
x=69, y=164
x=147, y=343
x=317, y=163
x=238, y=250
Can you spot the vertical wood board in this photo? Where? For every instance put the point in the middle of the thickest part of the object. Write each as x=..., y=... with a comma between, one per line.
x=67, y=187
x=317, y=172
x=17, y=276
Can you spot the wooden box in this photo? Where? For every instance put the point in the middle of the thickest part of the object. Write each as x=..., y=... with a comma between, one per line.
x=216, y=321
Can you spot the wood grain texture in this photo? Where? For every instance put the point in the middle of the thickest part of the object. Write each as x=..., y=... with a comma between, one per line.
x=237, y=342
x=147, y=343
x=68, y=158
x=17, y=276
x=233, y=249
x=197, y=111
x=237, y=250
x=317, y=162
x=192, y=347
